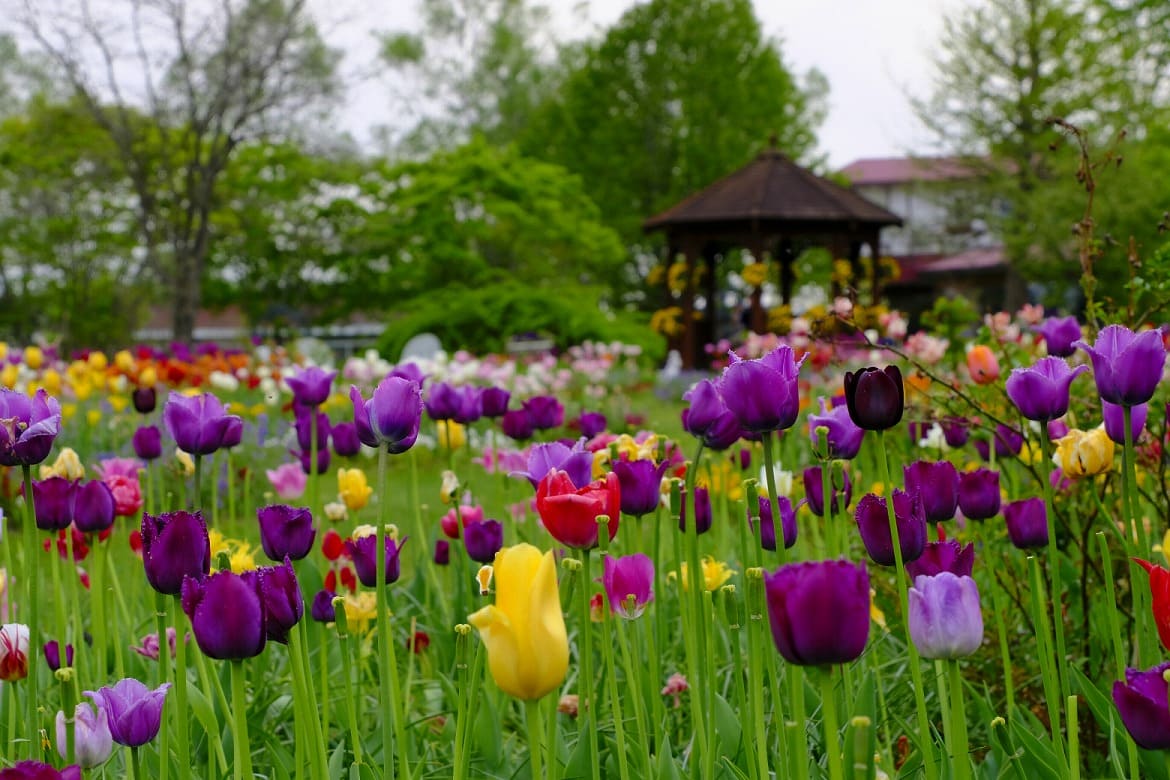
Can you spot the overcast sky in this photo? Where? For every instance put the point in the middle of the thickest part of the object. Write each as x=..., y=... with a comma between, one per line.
x=874, y=53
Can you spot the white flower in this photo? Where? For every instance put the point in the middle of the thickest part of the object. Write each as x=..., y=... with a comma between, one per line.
x=336, y=511
x=221, y=380
x=934, y=439
x=783, y=480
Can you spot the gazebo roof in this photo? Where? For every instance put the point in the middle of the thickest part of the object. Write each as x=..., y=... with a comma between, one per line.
x=772, y=188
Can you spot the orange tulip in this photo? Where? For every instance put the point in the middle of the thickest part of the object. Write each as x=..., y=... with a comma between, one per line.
x=983, y=364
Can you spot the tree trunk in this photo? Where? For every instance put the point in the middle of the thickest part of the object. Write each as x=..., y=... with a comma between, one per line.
x=187, y=296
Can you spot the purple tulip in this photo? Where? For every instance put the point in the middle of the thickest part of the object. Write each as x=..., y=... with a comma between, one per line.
x=641, y=485
x=53, y=503
x=470, y=406
x=133, y=711
x=875, y=397
x=483, y=540
x=1008, y=441
x=745, y=458
x=174, y=545
x=1056, y=429
x=1040, y=392
x=494, y=402
x=28, y=427
x=145, y=399
x=442, y=402
x=708, y=418
x=311, y=386
x=955, y=431
x=286, y=532
x=517, y=425
x=763, y=394
x=92, y=741
x=768, y=525
x=345, y=440
x=283, y=604
x=227, y=614
x=979, y=494
x=35, y=770
x=199, y=424
x=322, y=607
x=844, y=438
x=591, y=424
x=363, y=551
x=1027, y=523
x=629, y=575
x=53, y=655
x=944, y=616
x=304, y=457
x=814, y=491
x=937, y=485
x=1141, y=702
x=304, y=428
x=576, y=461
x=233, y=434
x=391, y=418
x=702, y=511
x=147, y=442
x=1060, y=335
x=410, y=372
x=442, y=555
x=1127, y=366
x=943, y=556
x=545, y=411
x=93, y=507
x=819, y=611
x=1114, y=417
x=874, y=525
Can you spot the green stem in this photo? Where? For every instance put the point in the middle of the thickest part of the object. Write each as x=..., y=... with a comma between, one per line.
x=1048, y=675
x=231, y=488
x=615, y=701
x=798, y=748
x=305, y=707
x=770, y=478
x=694, y=633
x=387, y=703
x=240, y=716
x=299, y=635
x=350, y=706
x=136, y=765
x=462, y=669
x=634, y=675
x=97, y=599
x=164, y=673
x=1054, y=573
x=832, y=725
x=313, y=486
x=197, y=500
x=1074, y=744
x=535, y=737
x=212, y=693
x=32, y=578
x=184, y=747
x=1115, y=636
x=68, y=709
x=827, y=498
x=586, y=699
x=1004, y=648
x=755, y=606
x=402, y=744
x=960, y=760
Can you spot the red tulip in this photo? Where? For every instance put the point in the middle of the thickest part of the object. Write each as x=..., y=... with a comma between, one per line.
x=1160, y=590
x=570, y=514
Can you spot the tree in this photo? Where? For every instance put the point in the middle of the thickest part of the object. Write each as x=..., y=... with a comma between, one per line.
x=178, y=87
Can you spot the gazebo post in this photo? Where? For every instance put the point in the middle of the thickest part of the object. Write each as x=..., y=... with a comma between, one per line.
x=787, y=275
x=710, y=293
x=757, y=317
x=875, y=274
x=690, y=249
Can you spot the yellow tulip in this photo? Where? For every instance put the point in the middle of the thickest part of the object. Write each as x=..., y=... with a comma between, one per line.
x=528, y=647
x=1084, y=454
x=118, y=402
x=51, y=380
x=98, y=361
x=124, y=361
x=449, y=434
x=9, y=375
x=93, y=417
x=148, y=377
x=353, y=489
x=67, y=465
x=34, y=358
x=3, y=349
x=360, y=610
x=714, y=572
x=82, y=389
x=186, y=463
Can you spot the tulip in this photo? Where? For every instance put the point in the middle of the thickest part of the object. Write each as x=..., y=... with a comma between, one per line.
x=1056, y=429
x=28, y=427
x=147, y=442
x=53, y=503
x=875, y=397
x=494, y=402
x=94, y=506
x=198, y=424
x=13, y=652
x=591, y=424
x=53, y=655
x=943, y=556
x=517, y=425
x=874, y=524
x=763, y=394
x=814, y=491
x=955, y=431
x=844, y=438
x=283, y=603
x=346, y=443
x=149, y=647
x=1040, y=392
x=979, y=496
x=708, y=418
x=175, y=545
x=133, y=711
x=227, y=614
x=442, y=555
x=1027, y=523
x=470, y=406
x=1084, y=454
x=322, y=608
x=570, y=513
x=819, y=611
x=92, y=741
x=768, y=525
x=982, y=364
x=1060, y=335
x=524, y=631
x=944, y=617
x=363, y=549
x=286, y=531
x=631, y=575
x=1008, y=441
x=577, y=462
x=1127, y=366
x=702, y=511
x=545, y=412
x=303, y=425
x=353, y=488
x=714, y=573
x=35, y=770
x=305, y=458
x=1160, y=593
x=458, y=518
x=145, y=399
x=641, y=485
x=288, y=480
x=1114, y=418
x=483, y=540
x=442, y=401
x=1141, y=702
x=67, y=465
x=311, y=386
x=409, y=371
x=937, y=484
x=391, y=418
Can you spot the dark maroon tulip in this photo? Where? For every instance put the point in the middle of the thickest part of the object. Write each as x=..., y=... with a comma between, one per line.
x=93, y=507
x=517, y=425
x=1127, y=366
x=1060, y=335
x=174, y=545
x=1040, y=391
x=363, y=552
x=494, y=402
x=576, y=461
x=483, y=540
x=702, y=511
x=311, y=386
x=391, y=418
x=979, y=494
x=591, y=423
x=1008, y=441
x=145, y=399
x=745, y=459
x=442, y=402
x=442, y=556
x=227, y=614
x=53, y=502
x=53, y=655
x=133, y=711
x=875, y=397
x=345, y=440
x=1141, y=702
x=819, y=611
x=304, y=429
x=708, y=418
x=955, y=431
x=322, y=608
x=844, y=438
x=937, y=484
x=199, y=424
x=147, y=442
x=814, y=491
x=641, y=483
x=35, y=770
x=545, y=411
x=768, y=526
x=1114, y=417
x=324, y=457
x=286, y=531
x=943, y=556
x=763, y=394
x=874, y=525
x=1027, y=523
x=284, y=605
x=28, y=427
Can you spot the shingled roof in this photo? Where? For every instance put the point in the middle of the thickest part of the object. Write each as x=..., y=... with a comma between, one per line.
x=772, y=188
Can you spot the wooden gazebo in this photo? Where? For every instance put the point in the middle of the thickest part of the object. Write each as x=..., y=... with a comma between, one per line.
x=775, y=209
